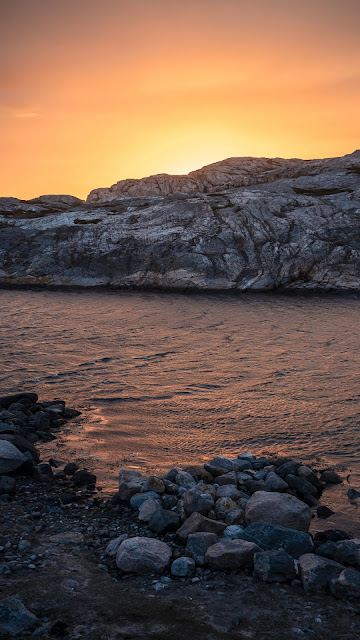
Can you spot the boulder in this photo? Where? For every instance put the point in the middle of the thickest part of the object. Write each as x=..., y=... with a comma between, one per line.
x=231, y=554
x=153, y=483
x=275, y=537
x=224, y=506
x=10, y=457
x=316, y=573
x=130, y=482
x=330, y=477
x=183, y=567
x=198, y=544
x=347, y=553
x=197, y=501
x=114, y=544
x=15, y=619
x=197, y=522
x=143, y=555
x=138, y=499
x=148, y=509
x=274, y=566
x=163, y=520
x=233, y=531
x=227, y=479
x=228, y=491
x=273, y=482
x=184, y=479
x=278, y=508
x=220, y=465
x=28, y=399
x=346, y=584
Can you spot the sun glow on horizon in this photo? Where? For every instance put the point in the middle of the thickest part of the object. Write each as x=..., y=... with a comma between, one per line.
x=95, y=92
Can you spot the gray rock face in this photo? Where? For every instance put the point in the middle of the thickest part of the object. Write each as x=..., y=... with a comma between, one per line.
x=198, y=544
x=278, y=508
x=142, y=555
x=273, y=537
x=15, y=619
x=10, y=457
x=274, y=566
x=317, y=573
x=197, y=522
x=271, y=224
x=183, y=567
x=231, y=554
x=346, y=584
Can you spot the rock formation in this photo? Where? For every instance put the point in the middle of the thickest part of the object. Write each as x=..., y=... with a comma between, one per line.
x=239, y=224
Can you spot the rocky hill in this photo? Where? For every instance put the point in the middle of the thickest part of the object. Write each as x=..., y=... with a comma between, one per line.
x=240, y=224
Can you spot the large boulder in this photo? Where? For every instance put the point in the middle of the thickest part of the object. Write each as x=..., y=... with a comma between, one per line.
x=316, y=573
x=10, y=457
x=143, y=555
x=278, y=508
x=231, y=554
x=274, y=537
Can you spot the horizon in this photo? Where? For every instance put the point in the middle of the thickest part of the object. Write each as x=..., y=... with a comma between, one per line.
x=93, y=92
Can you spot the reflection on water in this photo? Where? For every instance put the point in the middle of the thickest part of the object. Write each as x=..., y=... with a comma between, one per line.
x=168, y=378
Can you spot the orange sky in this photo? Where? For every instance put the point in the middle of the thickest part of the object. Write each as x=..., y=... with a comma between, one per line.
x=94, y=91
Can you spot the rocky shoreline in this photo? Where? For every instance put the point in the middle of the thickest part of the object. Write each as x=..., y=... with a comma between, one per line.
x=219, y=532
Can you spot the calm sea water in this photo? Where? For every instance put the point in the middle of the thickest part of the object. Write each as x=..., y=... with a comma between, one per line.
x=167, y=379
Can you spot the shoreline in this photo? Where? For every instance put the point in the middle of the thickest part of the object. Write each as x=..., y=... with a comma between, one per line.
x=57, y=521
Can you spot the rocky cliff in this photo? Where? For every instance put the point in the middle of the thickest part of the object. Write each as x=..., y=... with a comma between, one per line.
x=240, y=224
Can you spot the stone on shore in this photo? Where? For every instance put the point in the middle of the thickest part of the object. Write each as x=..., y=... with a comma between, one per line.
x=274, y=537
x=197, y=501
x=316, y=573
x=273, y=482
x=231, y=554
x=163, y=520
x=346, y=584
x=143, y=555
x=148, y=509
x=10, y=457
x=330, y=477
x=130, y=482
x=183, y=567
x=278, y=508
x=15, y=619
x=348, y=553
x=197, y=522
x=198, y=544
x=274, y=566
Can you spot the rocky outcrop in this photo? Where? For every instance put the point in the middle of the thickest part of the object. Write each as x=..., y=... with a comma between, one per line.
x=269, y=225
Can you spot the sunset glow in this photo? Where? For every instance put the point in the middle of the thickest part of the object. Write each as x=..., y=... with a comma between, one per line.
x=93, y=92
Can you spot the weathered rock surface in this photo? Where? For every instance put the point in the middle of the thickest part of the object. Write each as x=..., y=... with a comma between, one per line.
x=317, y=573
x=15, y=619
x=346, y=584
x=231, y=554
x=141, y=555
x=10, y=457
x=274, y=537
x=240, y=224
x=278, y=508
x=274, y=566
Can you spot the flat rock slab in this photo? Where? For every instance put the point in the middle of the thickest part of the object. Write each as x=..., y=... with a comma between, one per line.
x=278, y=508
x=67, y=537
x=232, y=554
x=143, y=555
x=317, y=573
x=197, y=522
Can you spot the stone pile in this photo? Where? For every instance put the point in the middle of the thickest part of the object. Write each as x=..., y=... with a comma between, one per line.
x=25, y=421
x=243, y=513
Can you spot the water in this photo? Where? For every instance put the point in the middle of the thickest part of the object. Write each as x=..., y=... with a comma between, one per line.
x=167, y=379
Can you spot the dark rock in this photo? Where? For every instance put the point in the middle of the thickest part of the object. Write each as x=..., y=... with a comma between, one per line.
x=324, y=512
x=70, y=468
x=274, y=537
x=347, y=553
x=274, y=566
x=273, y=482
x=84, y=477
x=353, y=494
x=183, y=567
x=23, y=444
x=15, y=619
x=316, y=572
x=169, y=501
x=327, y=550
x=198, y=544
x=346, y=585
x=10, y=457
x=143, y=555
x=330, y=477
x=7, y=484
x=163, y=520
x=301, y=486
x=290, y=467
x=198, y=501
x=70, y=413
x=138, y=499
x=27, y=399
x=45, y=469
x=332, y=535
x=59, y=629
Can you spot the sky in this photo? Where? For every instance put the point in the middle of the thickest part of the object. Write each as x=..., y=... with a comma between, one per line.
x=95, y=91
